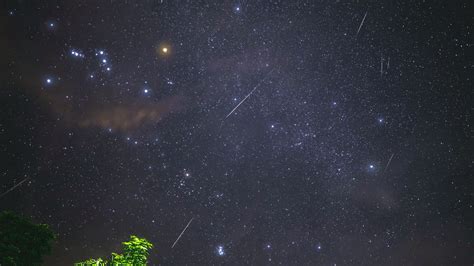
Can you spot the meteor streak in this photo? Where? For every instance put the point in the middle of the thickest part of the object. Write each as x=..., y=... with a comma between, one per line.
x=248, y=95
x=15, y=186
x=177, y=239
x=362, y=23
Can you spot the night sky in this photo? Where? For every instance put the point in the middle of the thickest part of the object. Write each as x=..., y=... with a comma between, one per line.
x=285, y=132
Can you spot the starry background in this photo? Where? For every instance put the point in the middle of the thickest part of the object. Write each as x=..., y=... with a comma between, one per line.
x=351, y=143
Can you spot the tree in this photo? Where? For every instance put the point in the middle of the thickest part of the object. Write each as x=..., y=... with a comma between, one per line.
x=23, y=242
x=92, y=262
x=135, y=253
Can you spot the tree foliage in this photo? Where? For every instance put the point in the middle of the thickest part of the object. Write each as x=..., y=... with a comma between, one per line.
x=135, y=253
x=23, y=242
x=92, y=262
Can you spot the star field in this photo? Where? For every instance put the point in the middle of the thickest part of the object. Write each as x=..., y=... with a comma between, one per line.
x=272, y=132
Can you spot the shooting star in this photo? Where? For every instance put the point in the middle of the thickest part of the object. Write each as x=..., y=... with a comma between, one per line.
x=388, y=163
x=381, y=65
x=15, y=186
x=177, y=239
x=361, y=23
x=248, y=95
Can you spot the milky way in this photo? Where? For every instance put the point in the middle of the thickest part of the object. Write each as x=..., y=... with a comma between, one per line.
x=288, y=132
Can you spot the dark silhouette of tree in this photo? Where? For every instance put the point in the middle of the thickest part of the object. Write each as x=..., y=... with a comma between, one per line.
x=23, y=242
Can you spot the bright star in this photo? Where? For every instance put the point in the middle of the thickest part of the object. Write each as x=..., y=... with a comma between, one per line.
x=165, y=50
x=145, y=90
x=371, y=166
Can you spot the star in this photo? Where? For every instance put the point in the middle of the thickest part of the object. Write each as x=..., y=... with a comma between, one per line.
x=165, y=50
x=49, y=81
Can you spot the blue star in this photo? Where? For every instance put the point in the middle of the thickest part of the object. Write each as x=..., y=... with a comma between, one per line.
x=237, y=9
x=51, y=25
x=49, y=81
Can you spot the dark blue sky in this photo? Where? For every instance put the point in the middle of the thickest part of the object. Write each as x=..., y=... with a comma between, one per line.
x=291, y=132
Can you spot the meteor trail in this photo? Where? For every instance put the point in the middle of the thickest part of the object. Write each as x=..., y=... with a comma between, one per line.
x=362, y=23
x=248, y=95
x=177, y=239
x=381, y=65
x=388, y=163
x=15, y=186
